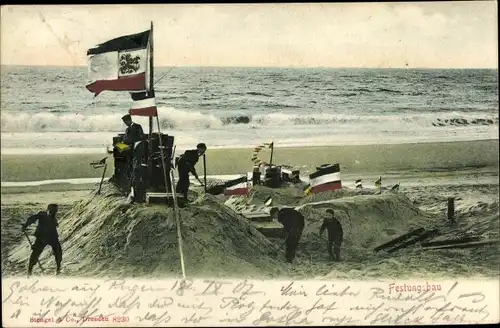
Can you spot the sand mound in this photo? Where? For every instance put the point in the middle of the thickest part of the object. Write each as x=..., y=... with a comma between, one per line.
x=367, y=221
x=105, y=236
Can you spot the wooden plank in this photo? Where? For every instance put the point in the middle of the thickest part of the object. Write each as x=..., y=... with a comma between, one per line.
x=466, y=245
x=423, y=236
x=399, y=239
x=257, y=217
x=450, y=241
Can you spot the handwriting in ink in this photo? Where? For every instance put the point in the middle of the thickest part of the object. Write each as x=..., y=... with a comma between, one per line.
x=290, y=291
x=200, y=306
x=324, y=291
x=245, y=288
x=294, y=317
x=318, y=305
x=156, y=319
x=213, y=287
x=339, y=321
x=161, y=303
x=123, y=286
x=194, y=318
x=478, y=297
x=86, y=288
x=181, y=286
x=241, y=317
x=126, y=303
x=234, y=303
x=285, y=307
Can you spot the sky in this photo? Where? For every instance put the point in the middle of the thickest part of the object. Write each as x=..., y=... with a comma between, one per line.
x=365, y=35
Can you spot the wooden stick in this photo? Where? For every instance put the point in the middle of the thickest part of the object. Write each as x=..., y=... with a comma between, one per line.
x=450, y=241
x=102, y=179
x=31, y=245
x=400, y=238
x=451, y=209
x=467, y=245
x=205, y=172
x=423, y=236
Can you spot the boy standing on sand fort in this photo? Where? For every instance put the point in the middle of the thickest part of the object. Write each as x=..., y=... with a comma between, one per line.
x=186, y=165
x=134, y=135
x=46, y=234
x=335, y=234
x=293, y=225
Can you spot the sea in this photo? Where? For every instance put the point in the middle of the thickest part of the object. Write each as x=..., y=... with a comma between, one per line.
x=48, y=110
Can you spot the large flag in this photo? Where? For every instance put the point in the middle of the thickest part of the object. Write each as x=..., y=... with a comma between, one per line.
x=143, y=104
x=120, y=64
x=326, y=178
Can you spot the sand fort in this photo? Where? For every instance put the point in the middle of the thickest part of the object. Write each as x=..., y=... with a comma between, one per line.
x=104, y=236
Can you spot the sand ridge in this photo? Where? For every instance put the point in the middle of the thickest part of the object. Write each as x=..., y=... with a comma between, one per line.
x=103, y=236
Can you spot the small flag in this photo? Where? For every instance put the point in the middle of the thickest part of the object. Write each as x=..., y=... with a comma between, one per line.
x=326, y=178
x=143, y=104
x=307, y=189
x=237, y=187
x=395, y=187
x=358, y=184
x=120, y=64
x=378, y=183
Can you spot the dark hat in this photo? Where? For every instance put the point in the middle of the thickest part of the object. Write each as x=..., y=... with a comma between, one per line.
x=126, y=117
x=52, y=206
x=330, y=211
x=201, y=145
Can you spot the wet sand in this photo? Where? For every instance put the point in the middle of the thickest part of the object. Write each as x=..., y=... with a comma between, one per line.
x=428, y=157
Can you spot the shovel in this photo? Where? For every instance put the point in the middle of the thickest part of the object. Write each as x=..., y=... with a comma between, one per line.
x=31, y=245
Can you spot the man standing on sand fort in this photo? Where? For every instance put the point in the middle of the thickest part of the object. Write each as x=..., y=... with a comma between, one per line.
x=46, y=234
x=293, y=224
x=134, y=137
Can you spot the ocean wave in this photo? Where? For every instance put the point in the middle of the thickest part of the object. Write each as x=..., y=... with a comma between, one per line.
x=172, y=118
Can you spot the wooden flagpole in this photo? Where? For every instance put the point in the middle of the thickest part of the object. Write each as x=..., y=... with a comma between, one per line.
x=272, y=153
x=174, y=196
x=151, y=90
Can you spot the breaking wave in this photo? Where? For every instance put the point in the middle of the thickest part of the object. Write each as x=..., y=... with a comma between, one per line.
x=171, y=118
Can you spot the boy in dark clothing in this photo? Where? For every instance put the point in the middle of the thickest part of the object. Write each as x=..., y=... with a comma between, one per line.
x=335, y=234
x=186, y=165
x=293, y=224
x=134, y=137
x=46, y=234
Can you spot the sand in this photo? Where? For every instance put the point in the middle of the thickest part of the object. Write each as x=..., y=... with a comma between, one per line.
x=102, y=236
x=445, y=156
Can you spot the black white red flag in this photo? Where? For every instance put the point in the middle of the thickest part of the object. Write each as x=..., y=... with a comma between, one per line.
x=120, y=64
x=143, y=104
x=326, y=178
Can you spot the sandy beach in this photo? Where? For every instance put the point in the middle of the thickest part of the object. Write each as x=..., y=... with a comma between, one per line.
x=428, y=173
x=417, y=157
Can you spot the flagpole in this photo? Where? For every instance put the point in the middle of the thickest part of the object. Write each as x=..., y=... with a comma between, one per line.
x=174, y=196
x=151, y=90
x=272, y=151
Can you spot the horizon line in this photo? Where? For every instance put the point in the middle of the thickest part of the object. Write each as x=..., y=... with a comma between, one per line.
x=282, y=67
